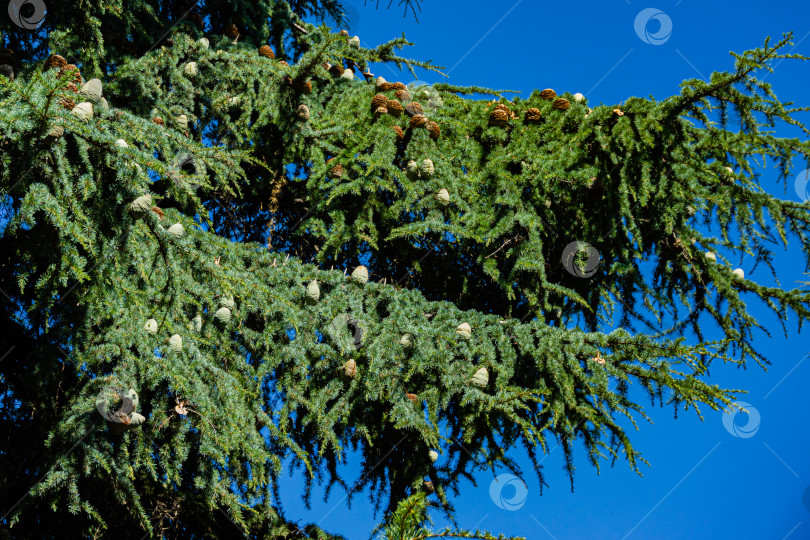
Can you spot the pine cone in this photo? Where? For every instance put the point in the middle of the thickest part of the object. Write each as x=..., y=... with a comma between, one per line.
x=412, y=397
x=394, y=107
x=427, y=486
x=378, y=100
x=434, y=130
x=159, y=121
x=403, y=95
x=498, y=117
x=382, y=110
x=419, y=120
x=548, y=93
x=386, y=86
x=303, y=112
x=67, y=103
x=336, y=70
x=158, y=211
x=55, y=60
x=533, y=116
x=232, y=31
x=399, y=132
x=344, y=33
x=561, y=103
x=398, y=86
x=283, y=63
x=304, y=87
x=197, y=21
x=413, y=109
x=72, y=87
x=70, y=70
x=618, y=112
x=336, y=171
x=267, y=52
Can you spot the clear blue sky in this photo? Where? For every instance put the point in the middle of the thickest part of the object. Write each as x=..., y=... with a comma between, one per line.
x=702, y=482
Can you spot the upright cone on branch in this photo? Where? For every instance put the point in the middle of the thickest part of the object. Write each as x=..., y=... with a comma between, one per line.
x=548, y=93
x=232, y=31
x=267, y=52
x=55, y=61
x=394, y=107
x=533, y=116
x=434, y=129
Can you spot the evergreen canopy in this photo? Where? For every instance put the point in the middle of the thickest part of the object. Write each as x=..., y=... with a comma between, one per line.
x=241, y=332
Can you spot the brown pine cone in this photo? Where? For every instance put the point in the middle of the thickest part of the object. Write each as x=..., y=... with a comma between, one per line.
x=378, y=100
x=548, y=93
x=427, y=486
x=561, y=103
x=498, y=117
x=504, y=108
x=304, y=87
x=398, y=86
x=533, y=115
x=232, y=31
x=267, y=52
x=434, y=130
x=336, y=70
x=412, y=397
x=72, y=87
x=385, y=87
x=382, y=110
x=403, y=95
x=283, y=63
x=336, y=171
x=67, y=103
x=413, y=108
x=344, y=33
x=55, y=60
x=159, y=121
x=419, y=120
x=197, y=21
x=399, y=132
x=70, y=70
x=394, y=107
x=158, y=211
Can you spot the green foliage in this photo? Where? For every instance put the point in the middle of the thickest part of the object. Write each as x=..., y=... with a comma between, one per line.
x=264, y=213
